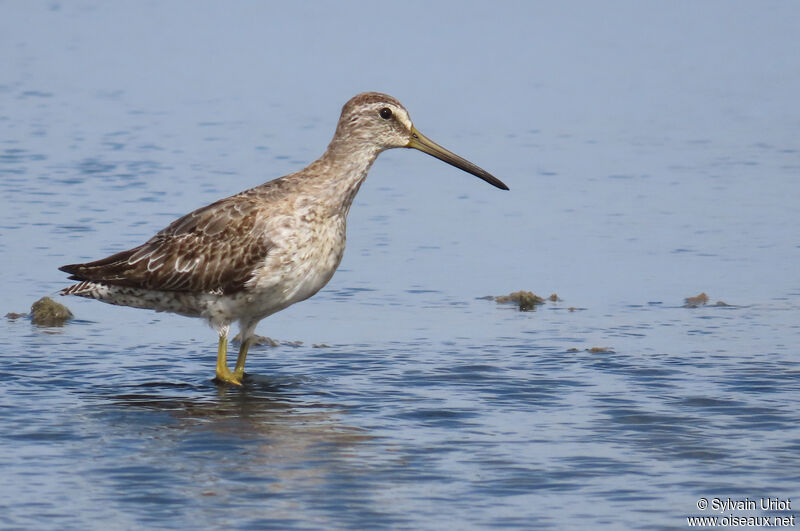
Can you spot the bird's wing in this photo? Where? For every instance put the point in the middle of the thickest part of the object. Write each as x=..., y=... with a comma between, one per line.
x=213, y=249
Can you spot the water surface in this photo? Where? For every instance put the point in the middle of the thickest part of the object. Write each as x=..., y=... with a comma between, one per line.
x=651, y=153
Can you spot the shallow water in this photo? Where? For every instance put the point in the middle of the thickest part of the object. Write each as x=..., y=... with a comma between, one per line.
x=651, y=155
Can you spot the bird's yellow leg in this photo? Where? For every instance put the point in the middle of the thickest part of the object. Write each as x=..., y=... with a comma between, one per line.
x=224, y=374
x=238, y=372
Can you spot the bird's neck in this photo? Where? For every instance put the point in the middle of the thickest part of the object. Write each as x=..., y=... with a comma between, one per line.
x=338, y=173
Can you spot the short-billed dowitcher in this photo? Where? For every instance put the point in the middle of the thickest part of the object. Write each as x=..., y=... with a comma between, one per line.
x=255, y=253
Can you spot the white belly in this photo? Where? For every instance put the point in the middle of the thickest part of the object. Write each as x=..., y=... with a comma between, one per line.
x=298, y=266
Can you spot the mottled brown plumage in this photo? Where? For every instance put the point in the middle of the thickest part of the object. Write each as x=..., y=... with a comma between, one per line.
x=213, y=249
x=257, y=252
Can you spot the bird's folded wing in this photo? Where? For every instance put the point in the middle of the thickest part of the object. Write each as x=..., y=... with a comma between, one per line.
x=214, y=249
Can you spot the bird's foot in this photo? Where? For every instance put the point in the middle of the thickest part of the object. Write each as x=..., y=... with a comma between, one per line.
x=226, y=377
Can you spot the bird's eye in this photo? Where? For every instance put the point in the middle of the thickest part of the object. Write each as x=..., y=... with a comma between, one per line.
x=385, y=113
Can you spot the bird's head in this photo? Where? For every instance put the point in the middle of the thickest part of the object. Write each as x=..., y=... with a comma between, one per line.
x=382, y=121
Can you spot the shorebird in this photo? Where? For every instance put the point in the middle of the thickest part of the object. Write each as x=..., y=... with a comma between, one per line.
x=250, y=255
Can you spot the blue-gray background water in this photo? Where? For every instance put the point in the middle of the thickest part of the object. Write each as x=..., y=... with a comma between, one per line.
x=652, y=153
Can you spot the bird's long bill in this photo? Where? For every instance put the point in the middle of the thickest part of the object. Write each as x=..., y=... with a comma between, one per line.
x=426, y=145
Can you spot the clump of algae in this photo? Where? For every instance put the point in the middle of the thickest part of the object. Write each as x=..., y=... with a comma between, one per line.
x=697, y=300
x=47, y=312
x=526, y=300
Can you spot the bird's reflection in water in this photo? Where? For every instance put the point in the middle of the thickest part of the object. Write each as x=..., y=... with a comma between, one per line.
x=262, y=436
